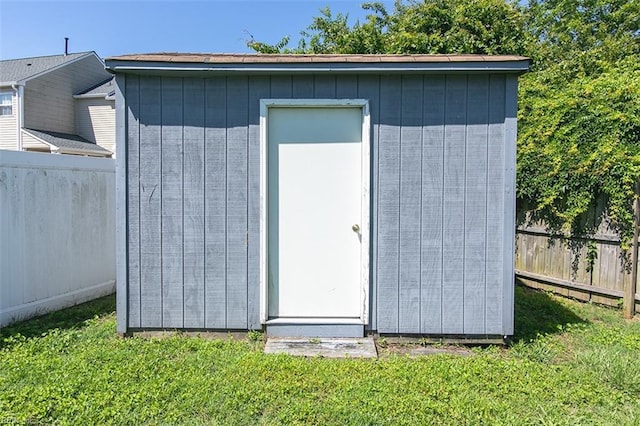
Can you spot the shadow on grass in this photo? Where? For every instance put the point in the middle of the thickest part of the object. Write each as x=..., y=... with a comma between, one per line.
x=538, y=313
x=69, y=318
x=535, y=313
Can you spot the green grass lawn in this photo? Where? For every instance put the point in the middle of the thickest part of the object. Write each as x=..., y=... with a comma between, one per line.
x=569, y=363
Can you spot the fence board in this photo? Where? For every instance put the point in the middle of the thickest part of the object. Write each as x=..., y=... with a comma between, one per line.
x=554, y=263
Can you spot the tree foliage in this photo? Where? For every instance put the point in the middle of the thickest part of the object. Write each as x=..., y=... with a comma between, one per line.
x=578, y=143
x=579, y=112
x=432, y=26
x=561, y=29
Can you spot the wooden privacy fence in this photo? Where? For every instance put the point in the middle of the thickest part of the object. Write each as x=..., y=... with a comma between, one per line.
x=589, y=268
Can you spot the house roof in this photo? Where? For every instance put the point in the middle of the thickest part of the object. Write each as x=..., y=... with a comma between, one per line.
x=68, y=143
x=103, y=89
x=14, y=70
x=312, y=63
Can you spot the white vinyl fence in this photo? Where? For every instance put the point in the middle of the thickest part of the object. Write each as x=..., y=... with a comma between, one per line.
x=57, y=232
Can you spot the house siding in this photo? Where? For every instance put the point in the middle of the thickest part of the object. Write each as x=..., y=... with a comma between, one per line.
x=48, y=99
x=96, y=121
x=31, y=143
x=9, y=124
x=440, y=198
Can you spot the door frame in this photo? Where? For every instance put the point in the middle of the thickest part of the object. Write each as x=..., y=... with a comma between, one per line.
x=265, y=104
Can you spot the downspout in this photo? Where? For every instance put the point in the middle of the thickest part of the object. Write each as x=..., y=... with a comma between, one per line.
x=19, y=88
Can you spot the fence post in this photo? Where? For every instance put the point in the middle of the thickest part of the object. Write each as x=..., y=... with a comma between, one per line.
x=630, y=291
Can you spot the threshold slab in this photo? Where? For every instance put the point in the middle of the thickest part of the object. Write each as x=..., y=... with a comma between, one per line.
x=322, y=347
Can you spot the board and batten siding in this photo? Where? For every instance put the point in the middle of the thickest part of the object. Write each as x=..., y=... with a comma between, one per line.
x=442, y=182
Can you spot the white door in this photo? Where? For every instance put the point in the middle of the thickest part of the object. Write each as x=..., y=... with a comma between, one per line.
x=315, y=189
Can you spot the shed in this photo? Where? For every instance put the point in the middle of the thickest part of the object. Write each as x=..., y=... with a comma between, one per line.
x=316, y=195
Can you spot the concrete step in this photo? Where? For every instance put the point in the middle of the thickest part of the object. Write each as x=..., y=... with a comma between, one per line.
x=363, y=347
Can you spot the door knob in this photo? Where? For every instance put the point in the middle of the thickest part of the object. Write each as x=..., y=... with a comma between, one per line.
x=355, y=227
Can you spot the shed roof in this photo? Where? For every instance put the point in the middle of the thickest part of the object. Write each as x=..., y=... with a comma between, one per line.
x=14, y=70
x=241, y=58
x=289, y=62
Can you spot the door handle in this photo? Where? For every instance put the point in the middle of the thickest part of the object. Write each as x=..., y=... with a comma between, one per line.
x=355, y=227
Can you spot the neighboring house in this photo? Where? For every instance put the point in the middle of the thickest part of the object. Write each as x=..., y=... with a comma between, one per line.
x=317, y=195
x=61, y=104
x=95, y=115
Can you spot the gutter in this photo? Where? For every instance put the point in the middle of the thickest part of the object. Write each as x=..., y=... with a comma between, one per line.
x=106, y=96
x=85, y=152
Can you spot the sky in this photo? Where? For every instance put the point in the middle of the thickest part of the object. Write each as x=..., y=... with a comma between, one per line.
x=117, y=27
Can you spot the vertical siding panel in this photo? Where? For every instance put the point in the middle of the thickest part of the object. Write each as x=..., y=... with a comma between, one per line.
x=324, y=86
x=347, y=86
x=150, y=190
x=132, y=93
x=368, y=87
x=495, y=205
x=302, y=86
x=237, y=138
x=259, y=88
x=215, y=202
x=410, y=195
x=281, y=86
x=432, y=207
x=453, y=225
x=172, y=196
x=475, y=205
x=194, y=203
x=388, y=203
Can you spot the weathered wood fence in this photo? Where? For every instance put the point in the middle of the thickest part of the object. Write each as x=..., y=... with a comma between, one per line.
x=590, y=268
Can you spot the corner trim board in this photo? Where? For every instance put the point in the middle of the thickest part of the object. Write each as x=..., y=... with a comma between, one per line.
x=122, y=281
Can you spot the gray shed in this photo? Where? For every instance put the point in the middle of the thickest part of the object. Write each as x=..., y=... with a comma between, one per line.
x=325, y=195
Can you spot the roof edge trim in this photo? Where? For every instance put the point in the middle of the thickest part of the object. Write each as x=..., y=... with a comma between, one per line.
x=519, y=66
